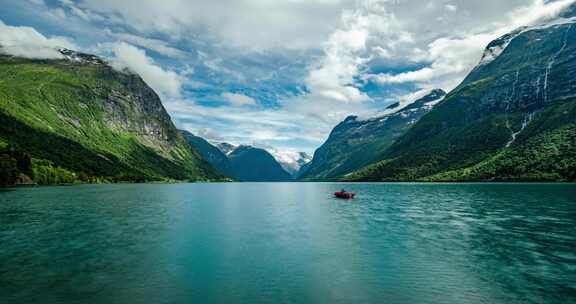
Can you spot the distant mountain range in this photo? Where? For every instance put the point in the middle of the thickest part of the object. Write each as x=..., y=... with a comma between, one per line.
x=512, y=118
x=256, y=165
x=247, y=163
x=291, y=162
x=79, y=119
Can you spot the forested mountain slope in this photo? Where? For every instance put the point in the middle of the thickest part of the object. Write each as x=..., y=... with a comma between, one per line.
x=357, y=142
x=512, y=118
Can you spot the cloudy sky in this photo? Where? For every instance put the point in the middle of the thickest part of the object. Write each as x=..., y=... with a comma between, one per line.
x=280, y=73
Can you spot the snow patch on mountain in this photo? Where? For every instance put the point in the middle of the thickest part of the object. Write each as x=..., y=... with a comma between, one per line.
x=435, y=96
x=81, y=57
x=291, y=161
x=226, y=148
x=434, y=102
x=498, y=46
x=403, y=103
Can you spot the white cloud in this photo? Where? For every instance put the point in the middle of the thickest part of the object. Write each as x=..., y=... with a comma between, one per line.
x=451, y=7
x=248, y=125
x=84, y=15
x=26, y=42
x=238, y=100
x=156, y=45
x=402, y=32
x=37, y=2
x=334, y=76
x=337, y=46
x=537, y=11
x=333, y=82
x=164, y=82
x=216, y=65
x=243, y=24
x=448, y=59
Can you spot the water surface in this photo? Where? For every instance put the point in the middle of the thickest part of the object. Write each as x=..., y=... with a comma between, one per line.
x=289, y=243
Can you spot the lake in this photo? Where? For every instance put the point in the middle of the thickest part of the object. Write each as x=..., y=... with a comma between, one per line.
x=289, y=243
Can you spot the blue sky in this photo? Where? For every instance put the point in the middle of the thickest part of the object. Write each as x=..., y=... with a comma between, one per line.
x=275, y=73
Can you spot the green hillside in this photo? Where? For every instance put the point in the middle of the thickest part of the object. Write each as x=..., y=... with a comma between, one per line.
x=82, y=116
x=513, y=118
x=355, y=143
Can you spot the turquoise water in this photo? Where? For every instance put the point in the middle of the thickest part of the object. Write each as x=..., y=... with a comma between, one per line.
x=289, y=243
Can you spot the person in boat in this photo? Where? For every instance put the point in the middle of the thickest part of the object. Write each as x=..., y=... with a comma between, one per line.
x=342, y=191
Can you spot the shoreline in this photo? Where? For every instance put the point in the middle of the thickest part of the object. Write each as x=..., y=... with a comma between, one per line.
x=13, y=187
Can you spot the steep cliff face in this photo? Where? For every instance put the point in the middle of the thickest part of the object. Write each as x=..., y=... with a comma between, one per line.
x=355, y=143
x=82, y=115
x=513, y=117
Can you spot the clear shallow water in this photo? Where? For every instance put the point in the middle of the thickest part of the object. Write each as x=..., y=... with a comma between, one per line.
x=289, y=243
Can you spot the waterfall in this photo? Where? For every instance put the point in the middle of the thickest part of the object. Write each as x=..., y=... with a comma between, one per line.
x=552, y=61
x=510, y=99
x=525, y=122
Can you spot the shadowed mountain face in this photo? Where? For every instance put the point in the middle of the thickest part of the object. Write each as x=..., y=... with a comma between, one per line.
x=210, y=153
x=82, y=115
x=226, y=148
x=256, y=165
x=243, y=163
x=513, y=117
x=355, y=143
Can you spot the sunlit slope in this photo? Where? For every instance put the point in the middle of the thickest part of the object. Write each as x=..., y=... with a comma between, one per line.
x=84, y=116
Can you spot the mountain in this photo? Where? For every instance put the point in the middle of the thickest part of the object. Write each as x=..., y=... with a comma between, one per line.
x=355, y=142
x=252, y=164
x=512, y=118
x=79, y=118
x=226, y=148
x=210, y=153
x=291, y=162
x=243, y=163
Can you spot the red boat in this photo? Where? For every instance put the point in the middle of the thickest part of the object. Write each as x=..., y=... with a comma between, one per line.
x=344, y=195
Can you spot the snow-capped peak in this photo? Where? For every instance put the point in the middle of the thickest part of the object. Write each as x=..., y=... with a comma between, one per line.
x=429, y=98
x=291, y=161
x=498, y=46
x=81, y=57
x=226, y=148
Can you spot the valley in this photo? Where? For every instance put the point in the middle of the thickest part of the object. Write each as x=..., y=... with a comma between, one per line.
x=513, y=118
